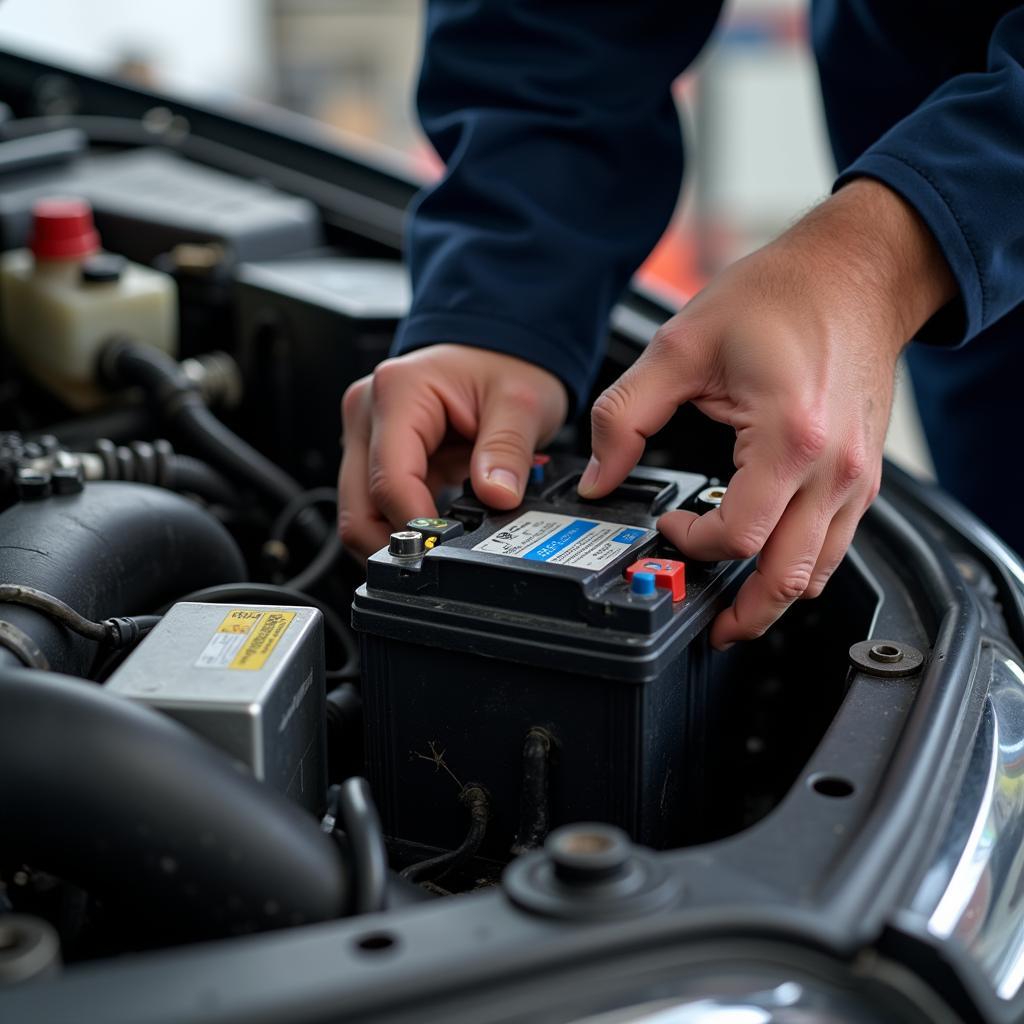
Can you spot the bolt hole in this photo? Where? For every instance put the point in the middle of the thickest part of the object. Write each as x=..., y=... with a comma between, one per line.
x=377, y=942
x=886, y=652
x=832, y=786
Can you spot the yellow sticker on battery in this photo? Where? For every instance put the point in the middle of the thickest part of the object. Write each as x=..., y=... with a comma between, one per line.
x=244, y=639
x=262, y=639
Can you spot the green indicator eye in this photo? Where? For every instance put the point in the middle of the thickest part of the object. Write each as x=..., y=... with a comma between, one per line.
x=437, y=524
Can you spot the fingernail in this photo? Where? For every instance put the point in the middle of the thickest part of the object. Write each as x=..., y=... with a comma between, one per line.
x=589, y=477
x=722, y=648
x=504, y=478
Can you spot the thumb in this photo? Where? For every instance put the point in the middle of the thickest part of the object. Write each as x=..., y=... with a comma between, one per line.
x=503, y=452
x=628, y=412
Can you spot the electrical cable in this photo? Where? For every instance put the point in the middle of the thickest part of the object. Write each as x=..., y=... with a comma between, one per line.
x=277, y=550
x=318, y=495
x=534, y=812
x=121, y=631
x=106, y=662
x=475, y=799
x=319, y=567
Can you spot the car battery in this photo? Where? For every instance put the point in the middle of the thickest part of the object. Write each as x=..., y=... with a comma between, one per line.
x=564, y=618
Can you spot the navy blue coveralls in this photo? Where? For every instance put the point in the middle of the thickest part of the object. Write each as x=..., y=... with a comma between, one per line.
x=564, y=159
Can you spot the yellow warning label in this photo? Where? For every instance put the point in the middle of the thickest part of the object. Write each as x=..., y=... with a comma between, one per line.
x=245, y=639
x=239, y=620
x=261, y=640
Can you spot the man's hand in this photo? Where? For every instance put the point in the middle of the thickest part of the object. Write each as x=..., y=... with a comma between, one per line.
x=795, y=347
x=431, y=418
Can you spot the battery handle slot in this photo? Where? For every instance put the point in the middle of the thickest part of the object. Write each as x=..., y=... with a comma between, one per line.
x=655, y=496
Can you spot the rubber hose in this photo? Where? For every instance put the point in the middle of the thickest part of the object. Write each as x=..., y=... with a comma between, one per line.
x=369, y=857
x=130, y=805
x=194, y=476
x=124, y=363
x=113, y=549
x=119, y=425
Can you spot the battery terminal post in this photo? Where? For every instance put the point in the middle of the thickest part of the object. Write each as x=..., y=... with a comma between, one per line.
x=667, y=574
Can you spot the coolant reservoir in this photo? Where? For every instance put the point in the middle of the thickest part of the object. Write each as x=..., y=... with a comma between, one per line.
x=62, y=299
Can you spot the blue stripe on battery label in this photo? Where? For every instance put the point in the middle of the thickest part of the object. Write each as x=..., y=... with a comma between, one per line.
x=628, y=536
x=553, y=545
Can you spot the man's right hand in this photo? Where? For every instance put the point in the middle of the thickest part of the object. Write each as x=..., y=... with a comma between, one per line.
x=431, y=418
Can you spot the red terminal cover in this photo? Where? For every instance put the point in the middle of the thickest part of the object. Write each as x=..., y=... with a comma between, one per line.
x=63, y=229
x=669, y=574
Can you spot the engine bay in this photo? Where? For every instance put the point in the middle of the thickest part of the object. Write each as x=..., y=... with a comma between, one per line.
x=228, y=724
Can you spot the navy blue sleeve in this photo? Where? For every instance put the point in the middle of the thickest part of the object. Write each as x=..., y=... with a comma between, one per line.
x=958, y=159
x=563, y=164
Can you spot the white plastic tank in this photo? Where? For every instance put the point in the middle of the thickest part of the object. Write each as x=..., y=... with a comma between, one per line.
x=62, y=299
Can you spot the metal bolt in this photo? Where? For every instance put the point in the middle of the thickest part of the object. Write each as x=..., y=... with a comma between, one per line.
x=406, y=544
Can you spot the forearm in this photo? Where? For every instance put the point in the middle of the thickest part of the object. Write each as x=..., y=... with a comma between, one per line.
x=956, y=154
x=867, y=247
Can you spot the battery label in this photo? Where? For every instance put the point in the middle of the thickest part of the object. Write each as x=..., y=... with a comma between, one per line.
x=245, y=639
x=563, y=540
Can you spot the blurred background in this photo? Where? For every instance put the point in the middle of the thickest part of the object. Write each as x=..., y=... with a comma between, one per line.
x=757, y=152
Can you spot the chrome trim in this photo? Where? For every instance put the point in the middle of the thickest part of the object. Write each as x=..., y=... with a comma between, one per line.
x=981, y=901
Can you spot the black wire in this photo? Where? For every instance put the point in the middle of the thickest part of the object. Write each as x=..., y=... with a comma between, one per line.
x=262, y=593
x=534, y=812
x=475, y=798
x=329, y=553
x=361, y=825
x=104, y=667
x=287, y=516
x=319, y=567
x=146, y=624
x=29, y=597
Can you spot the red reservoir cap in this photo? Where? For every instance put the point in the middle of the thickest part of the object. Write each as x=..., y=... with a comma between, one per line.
x=63, y=229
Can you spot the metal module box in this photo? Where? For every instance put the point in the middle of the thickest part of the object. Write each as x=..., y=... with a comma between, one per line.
x=250, y=679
